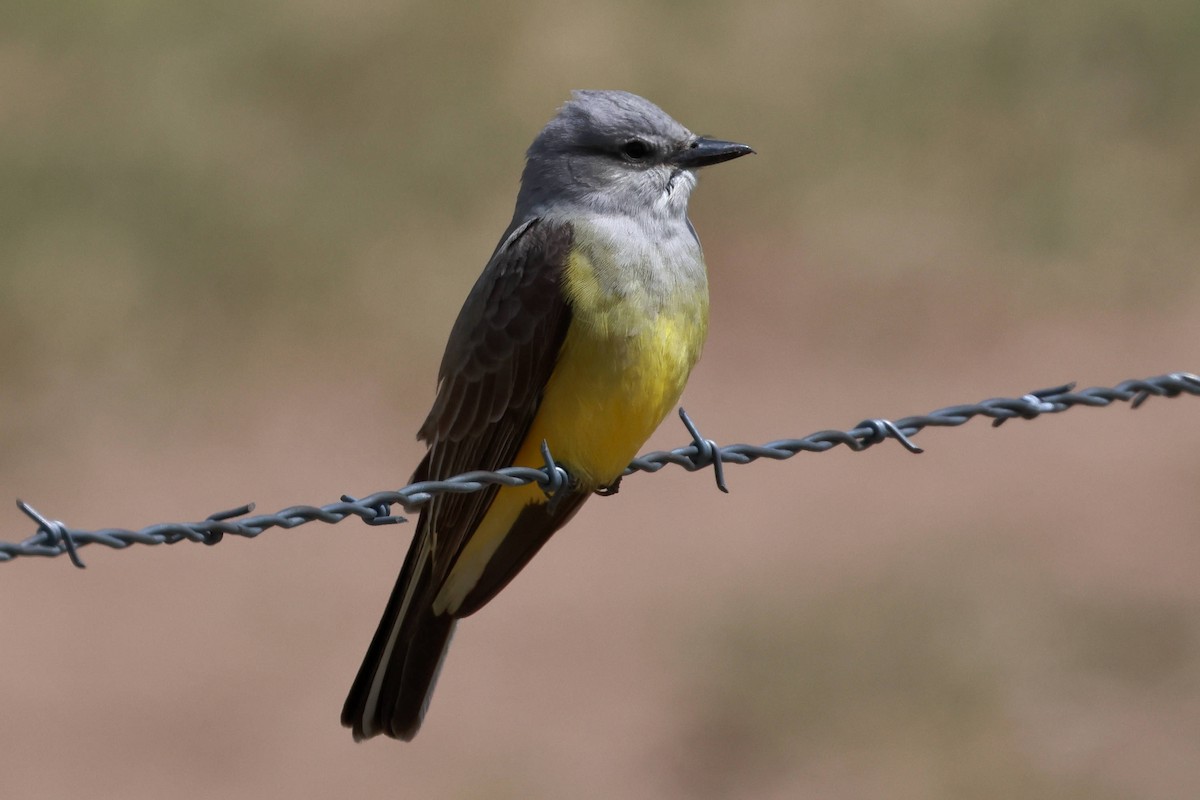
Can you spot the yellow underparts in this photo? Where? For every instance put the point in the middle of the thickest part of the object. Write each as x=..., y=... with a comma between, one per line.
x=621, y=369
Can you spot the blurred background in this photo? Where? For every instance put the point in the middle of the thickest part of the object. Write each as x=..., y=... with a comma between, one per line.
x=234, y=236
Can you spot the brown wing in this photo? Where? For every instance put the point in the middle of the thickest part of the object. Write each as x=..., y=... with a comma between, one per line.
x=501, y=352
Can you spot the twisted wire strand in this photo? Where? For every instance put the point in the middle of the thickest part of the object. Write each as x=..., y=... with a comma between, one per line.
x=56, y=538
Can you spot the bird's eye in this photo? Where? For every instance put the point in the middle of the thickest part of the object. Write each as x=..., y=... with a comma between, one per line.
x=635, y=150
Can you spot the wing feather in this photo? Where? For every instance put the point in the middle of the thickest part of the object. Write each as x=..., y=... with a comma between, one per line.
x=501, y=353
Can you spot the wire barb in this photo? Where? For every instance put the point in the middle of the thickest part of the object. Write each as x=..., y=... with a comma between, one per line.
x=882, y=429
x=383, y=512
x=556, y=481
x=56, y=534
x=55, y=538
x=707, y=452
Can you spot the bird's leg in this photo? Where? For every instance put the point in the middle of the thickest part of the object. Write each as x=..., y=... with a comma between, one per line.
x=610, y=489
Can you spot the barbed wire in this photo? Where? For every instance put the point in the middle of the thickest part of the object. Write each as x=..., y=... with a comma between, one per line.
x=55, y=538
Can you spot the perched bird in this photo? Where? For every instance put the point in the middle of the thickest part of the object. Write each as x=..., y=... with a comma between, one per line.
x=580, y=332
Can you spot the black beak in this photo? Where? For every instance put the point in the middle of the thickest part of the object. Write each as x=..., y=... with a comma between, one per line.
x=702, y=152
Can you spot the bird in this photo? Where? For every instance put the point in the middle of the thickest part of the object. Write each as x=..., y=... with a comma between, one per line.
x=578, y=335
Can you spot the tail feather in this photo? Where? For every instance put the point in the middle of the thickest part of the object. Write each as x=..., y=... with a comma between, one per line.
x=391, y=692
x=408, y=685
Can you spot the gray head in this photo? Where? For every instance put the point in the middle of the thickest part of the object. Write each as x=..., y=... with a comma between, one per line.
x=615, y=152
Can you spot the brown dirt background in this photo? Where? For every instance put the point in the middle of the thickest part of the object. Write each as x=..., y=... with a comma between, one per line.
x=233, y=238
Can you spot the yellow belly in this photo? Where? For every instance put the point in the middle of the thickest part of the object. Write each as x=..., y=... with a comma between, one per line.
x=610, y=391
x=621, y=369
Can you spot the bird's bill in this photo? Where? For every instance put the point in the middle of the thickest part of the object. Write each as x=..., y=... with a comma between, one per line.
x=704, y=151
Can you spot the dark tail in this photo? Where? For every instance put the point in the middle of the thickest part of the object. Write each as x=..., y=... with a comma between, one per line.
x=391, y=692
x=394, y=683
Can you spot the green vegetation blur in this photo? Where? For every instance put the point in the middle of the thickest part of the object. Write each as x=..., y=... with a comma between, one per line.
x=185, y=179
